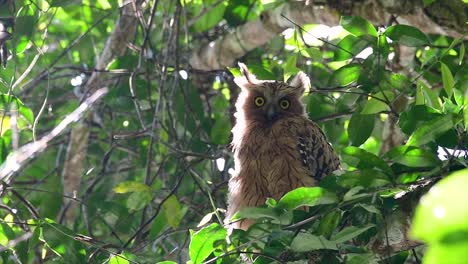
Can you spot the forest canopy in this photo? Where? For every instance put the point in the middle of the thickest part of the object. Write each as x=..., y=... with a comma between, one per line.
x=116, y=121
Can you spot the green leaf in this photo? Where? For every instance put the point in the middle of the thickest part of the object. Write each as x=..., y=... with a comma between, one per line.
x=360, y=128
x=131, y=186
x=465, y=110
x=202, y=243
x=304, y=242
x=306, y=196
x=447, y=79
x=329, y=222
x=412, y=157
x=462, y=53
x=212, y=17
x=158, y=224
x=368, y=178
x=362, y=159
x=430, y=130
x=349, y=233
x=349, y=47
x=346, y=75
x=375, y=105
x=428, y=2
x=407, y=35
x=358, y=26
x=442, y=212
x=138, y=200
x=24, y=25
x=221, y=130
x=272, y=214
x=174, y=211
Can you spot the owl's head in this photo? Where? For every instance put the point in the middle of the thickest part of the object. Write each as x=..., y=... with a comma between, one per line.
x=267, y=101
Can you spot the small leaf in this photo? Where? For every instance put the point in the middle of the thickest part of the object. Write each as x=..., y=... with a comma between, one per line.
x=304, y=242
x=346, y=75
x=430, y=130
x=138, y=200
x=358, y=26
x=131, y=186
x=447, y=79
x=407, y=35
x=349, y=233
x=202, y=243
x=306, y=196
x=360, y=128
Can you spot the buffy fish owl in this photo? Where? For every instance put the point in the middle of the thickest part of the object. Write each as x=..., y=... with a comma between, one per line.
x=276, y=147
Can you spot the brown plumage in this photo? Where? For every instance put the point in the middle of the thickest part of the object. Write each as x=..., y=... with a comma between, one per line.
x=276, y=147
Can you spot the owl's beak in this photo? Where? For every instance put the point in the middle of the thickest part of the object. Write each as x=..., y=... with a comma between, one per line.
x=271, y=113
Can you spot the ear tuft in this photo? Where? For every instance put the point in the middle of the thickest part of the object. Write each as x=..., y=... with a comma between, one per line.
x=247, y=79
x=300, y=81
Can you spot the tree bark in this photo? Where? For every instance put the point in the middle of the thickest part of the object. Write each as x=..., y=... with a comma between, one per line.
x=74, y=165
x=441, y=17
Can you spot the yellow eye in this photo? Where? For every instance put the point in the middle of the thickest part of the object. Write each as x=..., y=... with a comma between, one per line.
x=259, y=101
x=284, y=104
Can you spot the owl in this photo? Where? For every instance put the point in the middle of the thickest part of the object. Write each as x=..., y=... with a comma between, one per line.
x=276, y=147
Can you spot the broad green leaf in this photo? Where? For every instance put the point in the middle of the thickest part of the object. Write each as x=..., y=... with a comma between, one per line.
x=374, y=105
x=304, y=242
x=346, y=75
x=174, y=211
x=202, y=242
x=427, y=96
x=442, y=212
x=360, y=128
x=362, y=159
x=24, y=25
x=116, y=259
x=329, y=222
x=447, y=79
x=349, y=233
x=349, y=47
x=430, y=130
x=159, y=223
x=138, y=200
x=6, y=234
x=221, y=130
x=212, y=17
x=358, y=26
x=446, y=252
x=412, y=157
x=276, y=216
x=407, y=35
x=368, y=178
x=306, y=196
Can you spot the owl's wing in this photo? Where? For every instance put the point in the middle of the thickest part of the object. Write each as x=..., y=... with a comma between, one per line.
x=316, y=152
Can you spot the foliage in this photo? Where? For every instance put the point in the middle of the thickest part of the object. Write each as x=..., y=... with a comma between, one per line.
x=157, y=160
